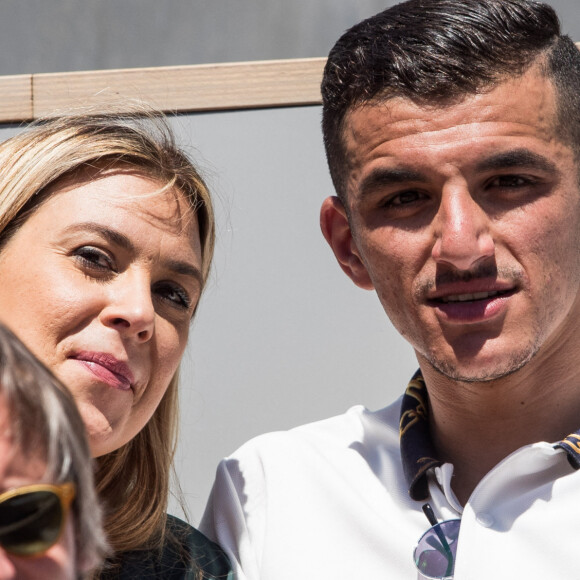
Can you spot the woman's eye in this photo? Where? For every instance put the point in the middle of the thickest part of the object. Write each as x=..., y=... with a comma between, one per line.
x=93, y=258
x=173, y=294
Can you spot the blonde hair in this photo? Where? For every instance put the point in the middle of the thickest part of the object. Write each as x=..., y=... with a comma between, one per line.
x=133, y=480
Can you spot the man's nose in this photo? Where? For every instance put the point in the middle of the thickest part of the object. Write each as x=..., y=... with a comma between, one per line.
x=462, y=230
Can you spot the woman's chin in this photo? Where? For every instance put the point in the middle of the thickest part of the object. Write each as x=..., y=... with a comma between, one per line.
x=102, y=432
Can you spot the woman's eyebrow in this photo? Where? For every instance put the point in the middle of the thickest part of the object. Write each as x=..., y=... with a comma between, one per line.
x=184, y=269
x=109, y=234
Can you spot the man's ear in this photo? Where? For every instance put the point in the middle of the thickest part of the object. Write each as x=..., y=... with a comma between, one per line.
x=336, y=231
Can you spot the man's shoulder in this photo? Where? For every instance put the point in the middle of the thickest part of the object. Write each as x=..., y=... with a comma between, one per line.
x=358, y=426
x=357, y=423
x=278, y=481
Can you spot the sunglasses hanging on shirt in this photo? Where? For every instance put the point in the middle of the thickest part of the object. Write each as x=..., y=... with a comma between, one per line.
x=435, y=553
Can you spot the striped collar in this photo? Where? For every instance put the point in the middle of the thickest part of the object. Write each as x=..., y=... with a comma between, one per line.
x=418, y=453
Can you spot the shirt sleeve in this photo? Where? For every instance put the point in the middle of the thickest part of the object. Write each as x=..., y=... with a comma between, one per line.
x=234, y=517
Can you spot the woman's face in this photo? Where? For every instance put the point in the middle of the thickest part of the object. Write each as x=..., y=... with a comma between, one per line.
x=101, y=282
x=59, y=562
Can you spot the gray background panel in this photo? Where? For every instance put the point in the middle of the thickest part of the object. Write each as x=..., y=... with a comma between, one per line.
x=283, y=337
x=65, y=35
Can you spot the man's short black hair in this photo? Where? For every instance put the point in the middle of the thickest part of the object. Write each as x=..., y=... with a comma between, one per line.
x=439, y=51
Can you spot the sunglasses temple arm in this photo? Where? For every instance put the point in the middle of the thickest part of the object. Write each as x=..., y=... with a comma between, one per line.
x=428, y=511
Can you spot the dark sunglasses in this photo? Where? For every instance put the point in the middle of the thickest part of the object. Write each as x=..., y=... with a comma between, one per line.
x=32, y=518
x=435, y=552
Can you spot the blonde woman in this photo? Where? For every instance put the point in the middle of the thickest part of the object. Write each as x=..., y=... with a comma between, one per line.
x=106, y=239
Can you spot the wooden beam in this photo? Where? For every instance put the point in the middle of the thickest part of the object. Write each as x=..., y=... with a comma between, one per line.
x=185, y=88
x=15, y=98
x=175, y=89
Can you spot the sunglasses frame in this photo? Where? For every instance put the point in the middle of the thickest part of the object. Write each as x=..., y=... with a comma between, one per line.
x=64, y=491
x=443, y=548
x=441, y=543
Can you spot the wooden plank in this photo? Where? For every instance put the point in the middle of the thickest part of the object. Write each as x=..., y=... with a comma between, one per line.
x=185, y=88
x=172, y=89
x=15, y=98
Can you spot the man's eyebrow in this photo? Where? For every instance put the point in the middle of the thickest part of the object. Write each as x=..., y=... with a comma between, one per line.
x=516, y=158
x=117, y=238
x=383, y=177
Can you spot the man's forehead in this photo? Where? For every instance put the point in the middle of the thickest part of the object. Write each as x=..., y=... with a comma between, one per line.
x=519, y=114
x=524, y=105
x=515, y=97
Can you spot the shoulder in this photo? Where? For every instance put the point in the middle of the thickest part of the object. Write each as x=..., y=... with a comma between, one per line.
x=269, y=485
x=357, y=425
x=209, y=558
x=186, y=555
x=310, y=446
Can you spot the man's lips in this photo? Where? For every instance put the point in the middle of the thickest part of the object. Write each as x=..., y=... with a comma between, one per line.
x=470, y=303
x=106, y=368
x=472, y=296
x=445, y=287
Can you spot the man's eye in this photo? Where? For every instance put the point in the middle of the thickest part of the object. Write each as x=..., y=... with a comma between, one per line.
x=405, y=198
x=173, y=294
x=510, y=181
x=93, y=258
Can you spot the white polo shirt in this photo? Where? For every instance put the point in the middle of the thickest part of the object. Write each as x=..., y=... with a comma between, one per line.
x=331, y=500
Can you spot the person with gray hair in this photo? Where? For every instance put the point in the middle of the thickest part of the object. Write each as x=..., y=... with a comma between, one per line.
x=50, y=519
x=452, y=132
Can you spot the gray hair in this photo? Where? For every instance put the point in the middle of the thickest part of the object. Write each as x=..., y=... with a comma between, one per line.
x=45, y=422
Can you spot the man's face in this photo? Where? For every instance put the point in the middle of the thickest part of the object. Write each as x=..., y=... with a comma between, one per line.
x=466, y=221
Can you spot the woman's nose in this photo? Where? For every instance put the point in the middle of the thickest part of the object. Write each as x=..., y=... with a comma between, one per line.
x=130, y=309
x=462, y=234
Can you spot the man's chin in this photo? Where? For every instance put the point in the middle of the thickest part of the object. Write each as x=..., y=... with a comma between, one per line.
x=471, y=372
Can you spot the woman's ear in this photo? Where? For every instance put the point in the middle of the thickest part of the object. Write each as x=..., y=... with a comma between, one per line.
x=336, y=231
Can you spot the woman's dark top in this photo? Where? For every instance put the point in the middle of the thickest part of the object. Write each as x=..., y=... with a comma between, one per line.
x=186, y=555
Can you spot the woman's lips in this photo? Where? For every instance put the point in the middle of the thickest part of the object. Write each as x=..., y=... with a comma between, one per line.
x=107, y=368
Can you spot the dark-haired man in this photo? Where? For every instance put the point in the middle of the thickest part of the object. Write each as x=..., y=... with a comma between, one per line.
x=452, y=129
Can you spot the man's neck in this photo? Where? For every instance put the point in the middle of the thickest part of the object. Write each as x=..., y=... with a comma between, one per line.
x=540, y=402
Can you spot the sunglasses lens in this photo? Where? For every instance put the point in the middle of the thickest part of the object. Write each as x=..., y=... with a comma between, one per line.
x=30, y=523
x=435, y=552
